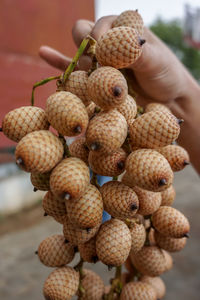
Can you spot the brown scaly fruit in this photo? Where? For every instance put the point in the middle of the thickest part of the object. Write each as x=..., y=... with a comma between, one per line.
x=60, y=219
x=53, y=206
x=40, y=181
x=86, y=211
x=138, y=291
x=113, y=242
x=119, y=47
x=138, y=235
x=106, y=132
x=149, y=170
x=107, y=87
x=76, y=235
x=77, y=85
x=168, y=196
x=170, y=222
x=149, y=202
x=168, y=243
x=128, y=109
x=78, y=148
x=130, y=18
x=93, y=286
x=157, y=283
x=177, y=157
x=151, y=261
x=39, y=152
x=70, y=178
x=154, y=129
x=157, y=107
x=23, y=120
x=119, y=200
x=108, y=164
x=88, y=251
x=61, y=284
x=55, y=252
x=66, y=113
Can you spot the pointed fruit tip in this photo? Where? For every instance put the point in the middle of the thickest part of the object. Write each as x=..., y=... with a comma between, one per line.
x=66, y=241
x=110, y=267
x=121, y=165
x=94, y=146
x=142, y=41
x=186, y=163
x=133, y=206
x=162, y=182
x=88, y=230
x=117, y=91
x=78, y=129
x=36, y=252
x=95, y=259
x=19, y=161
x=180, y=121
x=35, y=189
x=186, y=235
x=1, y=129
x=67, y=196
x=45, y=214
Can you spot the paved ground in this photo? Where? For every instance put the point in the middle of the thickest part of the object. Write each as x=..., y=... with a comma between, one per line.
x=22, y=275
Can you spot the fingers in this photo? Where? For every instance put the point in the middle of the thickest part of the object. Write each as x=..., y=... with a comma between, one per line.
x=102, y=26
x=54, y=58
x=80, y=30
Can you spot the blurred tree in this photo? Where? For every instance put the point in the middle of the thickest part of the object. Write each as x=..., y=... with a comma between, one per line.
x=171, y=33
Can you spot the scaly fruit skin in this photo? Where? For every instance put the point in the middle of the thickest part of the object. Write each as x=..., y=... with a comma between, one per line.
x=88, y=251
x=40, y=181
x=170, y=222
x=66, y=113
x=39, y=152
x=177, y=157
x=157, y=283
x=107, y=87
x=149, y=202
x=70, y=178
x=168, y=196
x=138, y=235
x=77, y=85
x=76, y=235
x=108, y=164
x=157, y=107
x=54, y=252
x=61, y=284
x=149, y=170
x=119, y=47
x=78, y=148
x=130, y=18
x=113, y=242
x=119, y=200
x=151, y=261
x=138, y=291
x=106, y=132
x=53, y=206
x=93, y=285
x=154, y=129
x=87, y=211
x=23, y=120
x=128, y=109
x=168, y=243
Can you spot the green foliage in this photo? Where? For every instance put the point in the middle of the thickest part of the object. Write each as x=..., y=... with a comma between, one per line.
x=171, y=33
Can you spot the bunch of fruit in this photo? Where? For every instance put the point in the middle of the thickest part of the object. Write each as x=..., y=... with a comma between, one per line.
x=113, y=139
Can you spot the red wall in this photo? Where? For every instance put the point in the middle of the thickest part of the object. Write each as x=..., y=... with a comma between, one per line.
x=25, y=25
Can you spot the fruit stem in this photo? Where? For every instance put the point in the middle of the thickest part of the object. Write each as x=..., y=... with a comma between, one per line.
x=79, y=268
x=115, y=178
x=39, y=83
x=94, y=180
x=66, y=148
x=75, y=59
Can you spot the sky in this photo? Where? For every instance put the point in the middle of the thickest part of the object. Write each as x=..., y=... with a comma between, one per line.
x=149, y=9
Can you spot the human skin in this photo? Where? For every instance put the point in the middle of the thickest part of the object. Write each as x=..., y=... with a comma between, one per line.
x=158, y=76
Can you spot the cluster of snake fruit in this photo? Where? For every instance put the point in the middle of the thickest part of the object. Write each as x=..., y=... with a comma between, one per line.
x=114, y=138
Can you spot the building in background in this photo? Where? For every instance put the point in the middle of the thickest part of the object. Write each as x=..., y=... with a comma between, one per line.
x=192, y=26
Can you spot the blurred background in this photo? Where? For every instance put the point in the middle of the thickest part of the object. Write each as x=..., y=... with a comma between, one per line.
x=24, y=27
